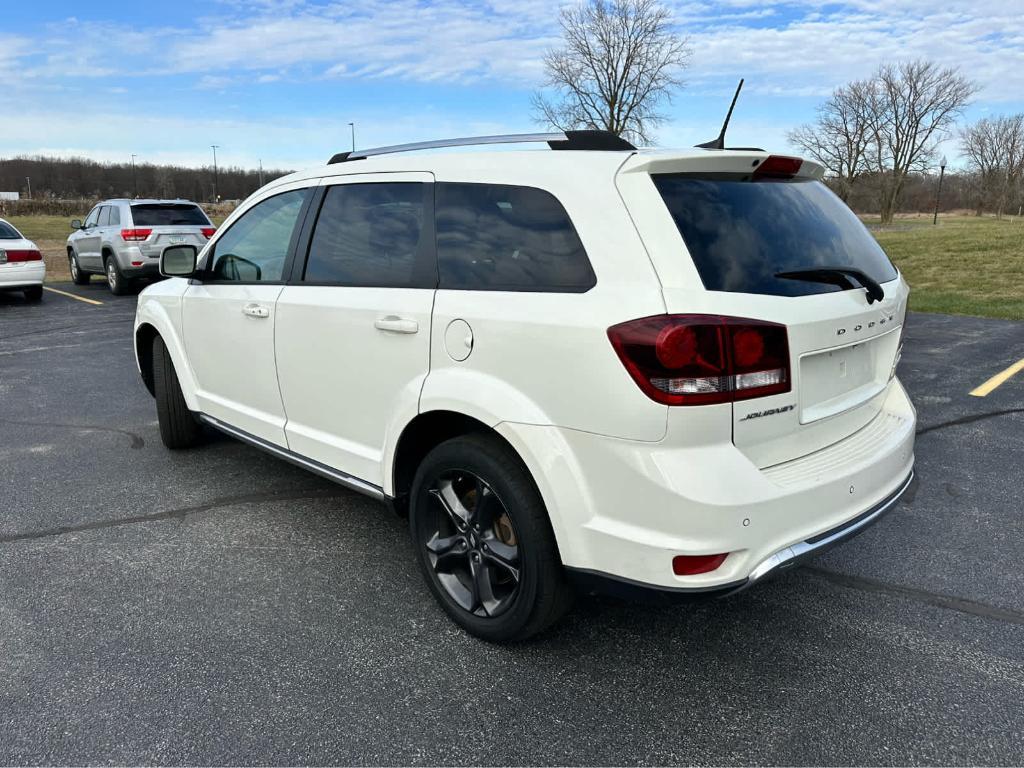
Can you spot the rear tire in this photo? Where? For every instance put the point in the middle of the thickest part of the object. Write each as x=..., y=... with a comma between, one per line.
x=116, y=281
x=78, y=277
x=34, y=293
x=494, y=567
x=178, y=425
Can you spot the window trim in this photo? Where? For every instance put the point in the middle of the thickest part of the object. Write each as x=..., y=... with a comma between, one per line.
x=426, y=256
x=203, y=277
x=580, y=289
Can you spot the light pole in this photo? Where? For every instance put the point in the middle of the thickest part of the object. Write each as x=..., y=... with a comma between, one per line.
x=215, y=148
x=261, y=171
x=353, y=127
x=135, y=181
x=938, y=194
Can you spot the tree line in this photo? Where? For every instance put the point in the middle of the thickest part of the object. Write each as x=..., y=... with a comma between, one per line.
x=52, y=178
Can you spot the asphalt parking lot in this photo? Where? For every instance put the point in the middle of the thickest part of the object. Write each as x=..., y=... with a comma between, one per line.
x=222, y=607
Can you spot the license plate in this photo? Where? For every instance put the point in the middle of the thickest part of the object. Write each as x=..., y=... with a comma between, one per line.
x=176, y=239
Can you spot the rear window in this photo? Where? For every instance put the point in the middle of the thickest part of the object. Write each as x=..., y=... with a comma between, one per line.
x=741, y=233
x=496, y=237
x=7, y=232
x=168, y=215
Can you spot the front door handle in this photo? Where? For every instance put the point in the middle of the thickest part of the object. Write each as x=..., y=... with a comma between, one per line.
x=255, y=310
x=395, y=324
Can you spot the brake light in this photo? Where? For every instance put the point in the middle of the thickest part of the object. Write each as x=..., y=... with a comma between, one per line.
x=135, y=235
x=778, y=167
x=703, y=359
x=29, y=255
x=691, y=565
x=208, y=232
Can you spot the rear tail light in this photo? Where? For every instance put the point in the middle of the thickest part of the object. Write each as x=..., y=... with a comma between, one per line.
x=208, y=232
x=703, y=359
x=778, y=167
x=29, y=255
x=691, y=565
x=135, y=235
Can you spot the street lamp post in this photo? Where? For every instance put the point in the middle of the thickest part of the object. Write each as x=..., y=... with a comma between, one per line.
x=135, y=181
x=215, y=148
x=353, y=127
x=938, y=194
x=261, y=171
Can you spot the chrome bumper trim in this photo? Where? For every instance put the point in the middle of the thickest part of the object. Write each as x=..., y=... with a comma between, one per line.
x=793, y=554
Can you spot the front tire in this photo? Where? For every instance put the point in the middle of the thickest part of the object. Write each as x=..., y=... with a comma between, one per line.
x=34, y=293
x=178, y=426
x=117, y=282
x=78, y=277
x=484, y=542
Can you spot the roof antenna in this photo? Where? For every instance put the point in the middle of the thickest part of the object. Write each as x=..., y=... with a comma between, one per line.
x=719, y=143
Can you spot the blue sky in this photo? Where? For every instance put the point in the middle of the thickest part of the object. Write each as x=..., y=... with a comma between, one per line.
x=279, y=80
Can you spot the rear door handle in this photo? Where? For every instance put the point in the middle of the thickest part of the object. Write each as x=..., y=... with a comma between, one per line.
x=255, y=310
x=395, y=324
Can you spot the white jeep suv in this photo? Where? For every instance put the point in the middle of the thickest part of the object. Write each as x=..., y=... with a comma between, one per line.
x=663, y=371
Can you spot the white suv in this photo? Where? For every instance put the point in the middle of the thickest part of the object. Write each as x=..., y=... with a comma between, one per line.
x=663, y=371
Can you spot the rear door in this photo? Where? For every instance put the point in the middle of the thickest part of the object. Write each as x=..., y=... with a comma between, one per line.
x=738, y=232
x=228, y=316
x=353, y=326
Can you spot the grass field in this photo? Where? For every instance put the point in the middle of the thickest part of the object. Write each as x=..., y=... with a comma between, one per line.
x=963, y=266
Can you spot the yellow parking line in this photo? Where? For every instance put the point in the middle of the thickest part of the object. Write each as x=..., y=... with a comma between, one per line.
x=72, y=296
x=999, y=378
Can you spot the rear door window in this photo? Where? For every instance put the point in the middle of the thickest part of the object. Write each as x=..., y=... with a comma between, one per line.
x=495, y=237
x=741, y=232
x=169, y=215
x=373, y=234
x=105, y=216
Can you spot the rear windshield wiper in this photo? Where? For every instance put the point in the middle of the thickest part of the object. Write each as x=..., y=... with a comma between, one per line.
x=837, y=276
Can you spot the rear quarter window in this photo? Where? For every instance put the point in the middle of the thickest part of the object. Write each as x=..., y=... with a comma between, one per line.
x=742, y=232
x=495, y=237
x=168, y=215
x=7, y=232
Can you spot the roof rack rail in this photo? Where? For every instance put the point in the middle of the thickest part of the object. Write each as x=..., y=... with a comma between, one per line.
x=572, y=140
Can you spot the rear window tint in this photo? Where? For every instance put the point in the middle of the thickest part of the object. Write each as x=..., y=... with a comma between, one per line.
x=7, y=232
x=372, y=235
x=494, y=237
x=168, y=215
x=741, y=233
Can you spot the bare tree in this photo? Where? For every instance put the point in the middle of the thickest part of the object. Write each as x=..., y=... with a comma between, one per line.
x=620, y=61
x=911, y=107
x=994, y=147
x=839, y=138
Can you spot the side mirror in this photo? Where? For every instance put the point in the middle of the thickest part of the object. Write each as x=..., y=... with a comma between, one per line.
x=178, y=261
x=76, y=223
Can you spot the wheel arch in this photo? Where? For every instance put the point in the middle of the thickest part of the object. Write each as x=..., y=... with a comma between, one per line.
x=154, y=320
x=144, y=336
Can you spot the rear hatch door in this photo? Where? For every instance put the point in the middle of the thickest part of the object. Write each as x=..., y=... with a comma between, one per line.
x=743, y=231
x=170, y=224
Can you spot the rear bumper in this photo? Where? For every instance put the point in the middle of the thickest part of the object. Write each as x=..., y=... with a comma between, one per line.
x=22, y=275
x=788, y=557
x=621, y=510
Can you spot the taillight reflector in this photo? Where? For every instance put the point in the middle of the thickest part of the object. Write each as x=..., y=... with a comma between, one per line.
x=691, y=565
x=703, y=359
x=778, y=167
x=135, y=235
x=24, y=255
x=208, y=232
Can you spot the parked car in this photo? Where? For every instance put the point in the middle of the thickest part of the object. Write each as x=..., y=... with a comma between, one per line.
x=122, y=239
x=21, y=264
x=671, y=372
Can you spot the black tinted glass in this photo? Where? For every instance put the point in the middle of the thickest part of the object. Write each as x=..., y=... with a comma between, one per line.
x=150, y=215
x=740, y=233
x=370, y=235
x=498, y=237
x=7, y=232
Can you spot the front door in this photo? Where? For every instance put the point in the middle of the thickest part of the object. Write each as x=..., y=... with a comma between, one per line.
x=228, y=317
x=87, y=243
x=353, y=328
